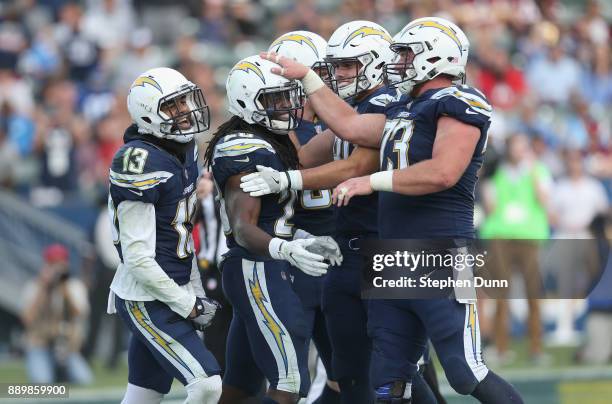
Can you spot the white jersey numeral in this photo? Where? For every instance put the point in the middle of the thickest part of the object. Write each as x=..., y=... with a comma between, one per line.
x=282, y=227
x=184, y=211
x=319, y=199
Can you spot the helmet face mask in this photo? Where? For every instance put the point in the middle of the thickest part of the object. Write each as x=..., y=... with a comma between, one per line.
x=258, y=96
x=280, y=109
x=347, y=86
x=401, y=72
x=357, y=52
x=325, y=71
x=164, y=104
x=184, y=113
x=426, y=48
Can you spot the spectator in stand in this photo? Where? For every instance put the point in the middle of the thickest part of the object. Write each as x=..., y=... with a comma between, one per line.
x=576, y=200
x=502, y=83
x=516, y=199
x=555, y=78
x=214, y=27
x=108, y=23
x=60, y=130
x=81, y=54
x=55, y=310
x=140, y=56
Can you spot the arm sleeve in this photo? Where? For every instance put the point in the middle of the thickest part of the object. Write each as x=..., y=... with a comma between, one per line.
x=196, y=280
x=137, y=237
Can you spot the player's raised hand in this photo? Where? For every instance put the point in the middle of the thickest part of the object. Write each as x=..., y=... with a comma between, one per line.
x=349, y=188
x=288, y=68
x=266, y=181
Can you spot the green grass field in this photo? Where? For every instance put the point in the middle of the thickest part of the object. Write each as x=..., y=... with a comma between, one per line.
x=559, y=382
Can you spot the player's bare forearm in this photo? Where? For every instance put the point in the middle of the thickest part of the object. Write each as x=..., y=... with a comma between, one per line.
x=361, y=162
x=364, y=130
x=318, y=150
x=243, y=213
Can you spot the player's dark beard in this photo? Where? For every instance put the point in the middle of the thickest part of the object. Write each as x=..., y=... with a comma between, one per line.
x=281, y=143
x=177, y=149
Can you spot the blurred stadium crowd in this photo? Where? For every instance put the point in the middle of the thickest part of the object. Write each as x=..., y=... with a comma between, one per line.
x=65, y=67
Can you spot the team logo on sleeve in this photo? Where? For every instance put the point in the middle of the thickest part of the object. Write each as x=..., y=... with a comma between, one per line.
x=367, y=31
x=142, y=80
x=301, y=39
x=249, y=66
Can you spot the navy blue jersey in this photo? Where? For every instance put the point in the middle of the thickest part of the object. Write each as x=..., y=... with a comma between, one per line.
x=240, y=153
x=359, y=217
x=143, y=171
x=409, y=136
x=313, y=209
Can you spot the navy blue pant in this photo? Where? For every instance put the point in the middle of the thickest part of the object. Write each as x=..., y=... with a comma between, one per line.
x=310, y=289
x=346, y=317
x=163, y=346
x=268, y=334
x=399, y=331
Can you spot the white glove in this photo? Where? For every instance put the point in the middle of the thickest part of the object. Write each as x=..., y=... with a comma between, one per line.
x=269, y=181
x=328, y=248
x=297, y=254
x=205, y=312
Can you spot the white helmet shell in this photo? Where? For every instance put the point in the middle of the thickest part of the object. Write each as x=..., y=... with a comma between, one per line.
x=305, y=47
x=161, y=85
x=250, y=83
x=365, y=42
x=440, y=47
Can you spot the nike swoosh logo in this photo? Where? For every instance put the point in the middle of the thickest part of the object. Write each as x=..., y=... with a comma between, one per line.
x=139, y=193
x=469, y=111
x=244, y=160
x=274, y=179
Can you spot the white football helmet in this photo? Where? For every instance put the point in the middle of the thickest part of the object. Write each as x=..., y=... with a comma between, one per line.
x=364, y=43
x=439, y=47
x=258, y=96
x=305, y=47
x=163, y=103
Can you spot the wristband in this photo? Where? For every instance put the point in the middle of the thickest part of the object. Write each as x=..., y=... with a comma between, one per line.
x=382, y=181
x=312, y=82
x=274, y=248
x=294, y=177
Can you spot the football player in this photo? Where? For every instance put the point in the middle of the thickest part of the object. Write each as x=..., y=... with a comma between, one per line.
x=432, y=147
x=313, y=208
x=268, y=335
x=157, y=289
x=357, y=52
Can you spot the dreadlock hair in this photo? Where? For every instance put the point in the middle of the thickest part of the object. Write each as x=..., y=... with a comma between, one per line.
x=281, y=143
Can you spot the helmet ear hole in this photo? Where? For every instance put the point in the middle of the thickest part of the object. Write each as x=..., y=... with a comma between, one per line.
x=146, y=119
x=241, y=103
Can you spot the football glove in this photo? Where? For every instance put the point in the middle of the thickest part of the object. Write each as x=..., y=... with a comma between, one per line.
x=296, y=253
x=269, y=181
x=328, y=248
x=205, y=311
x=323, y=245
